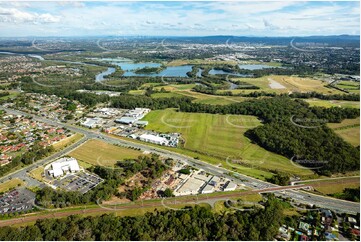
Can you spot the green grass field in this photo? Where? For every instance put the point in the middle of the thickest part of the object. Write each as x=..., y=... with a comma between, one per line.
x=333, y=103
x=350, y=86
x=221, y=137
x=96, y=152
x=349, y=130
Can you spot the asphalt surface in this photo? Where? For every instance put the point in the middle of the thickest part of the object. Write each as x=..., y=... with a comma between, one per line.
x=298, y=196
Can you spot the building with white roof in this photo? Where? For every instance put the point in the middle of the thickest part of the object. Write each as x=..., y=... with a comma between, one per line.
x=229, y=186
x=64, y=165
x=91, y=122
x=189, y=187
x=208, y=189
x=153, y=139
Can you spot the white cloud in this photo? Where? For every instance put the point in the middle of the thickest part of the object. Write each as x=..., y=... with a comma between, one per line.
x=13, y=15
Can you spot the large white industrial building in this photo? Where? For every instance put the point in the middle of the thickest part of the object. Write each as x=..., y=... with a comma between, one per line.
x=153, y=139
x=64, y=166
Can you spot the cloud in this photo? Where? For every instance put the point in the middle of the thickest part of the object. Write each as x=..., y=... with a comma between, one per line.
x=13, y=15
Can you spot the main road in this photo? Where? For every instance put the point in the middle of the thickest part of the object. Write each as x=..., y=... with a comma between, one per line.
x=297, y=196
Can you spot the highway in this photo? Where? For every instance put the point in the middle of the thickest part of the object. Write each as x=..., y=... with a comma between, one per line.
x=256, y=184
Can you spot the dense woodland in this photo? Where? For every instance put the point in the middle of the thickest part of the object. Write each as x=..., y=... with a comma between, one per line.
x=198, y=223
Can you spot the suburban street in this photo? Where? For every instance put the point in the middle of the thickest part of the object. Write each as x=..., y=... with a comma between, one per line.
x=256, y=184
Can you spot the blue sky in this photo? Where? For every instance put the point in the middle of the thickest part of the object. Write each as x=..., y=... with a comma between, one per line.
x=245, y=18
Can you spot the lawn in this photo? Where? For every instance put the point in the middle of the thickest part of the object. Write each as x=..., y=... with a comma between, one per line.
x=349, y=130
x=220, y=137
x=10, y=184
x=96, y=152
x=67, y=141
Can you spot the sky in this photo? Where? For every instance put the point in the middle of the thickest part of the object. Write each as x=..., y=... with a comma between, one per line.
x=170, y=18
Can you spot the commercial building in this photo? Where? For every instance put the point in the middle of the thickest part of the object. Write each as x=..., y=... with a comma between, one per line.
x=153, y=139
x=126, y=120
x=229, y=186
x=208, y=189
x=92, y=122
x=189, y=187
x=64, y=166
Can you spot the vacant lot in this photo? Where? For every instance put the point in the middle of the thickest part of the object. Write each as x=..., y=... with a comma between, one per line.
x=96, y=152
x=37, y=173
x=67, y=141
x=221, y=137
x=349, y=130
x=335, y=186
x=8, y=185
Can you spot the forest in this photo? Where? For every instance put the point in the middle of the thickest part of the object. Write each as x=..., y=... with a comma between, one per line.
x=197, y=223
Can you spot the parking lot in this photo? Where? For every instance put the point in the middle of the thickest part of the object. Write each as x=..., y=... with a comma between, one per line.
x=18, y=200
x=81, y=182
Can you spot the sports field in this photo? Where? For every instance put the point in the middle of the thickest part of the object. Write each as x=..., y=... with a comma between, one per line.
x=221, y=137
x=349, y=130
x=96, y=152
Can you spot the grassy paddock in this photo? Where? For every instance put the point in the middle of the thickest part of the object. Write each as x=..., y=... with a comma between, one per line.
x=221, y=137
x=348, y=129
x=96, y=152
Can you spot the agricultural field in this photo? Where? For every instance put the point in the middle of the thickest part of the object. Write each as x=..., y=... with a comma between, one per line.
x=333, y=103
x=348, y=129
x=8, y=185
x=96, y=152
x=221, y=137
x=285, y=84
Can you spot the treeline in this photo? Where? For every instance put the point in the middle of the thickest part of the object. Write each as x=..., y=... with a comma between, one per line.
x=291, y=128
x=130, y=102
x=198, y=223
x=150, y=167
x=35, y=152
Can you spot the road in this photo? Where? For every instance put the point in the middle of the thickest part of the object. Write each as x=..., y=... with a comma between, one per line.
x=298, y=196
